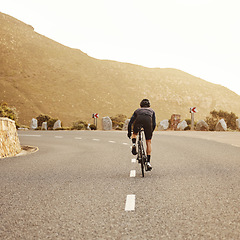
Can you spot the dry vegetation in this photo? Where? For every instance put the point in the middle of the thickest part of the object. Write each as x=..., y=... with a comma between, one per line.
x=38, y=75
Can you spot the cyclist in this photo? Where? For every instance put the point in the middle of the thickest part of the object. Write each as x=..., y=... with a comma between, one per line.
x=143, y=117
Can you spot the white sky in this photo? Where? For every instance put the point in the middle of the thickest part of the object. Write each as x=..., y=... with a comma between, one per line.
x=200, y=37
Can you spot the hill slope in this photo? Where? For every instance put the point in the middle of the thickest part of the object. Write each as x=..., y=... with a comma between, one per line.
x=39, y=75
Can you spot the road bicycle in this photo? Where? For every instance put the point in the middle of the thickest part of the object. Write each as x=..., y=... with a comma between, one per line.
x=141, y=154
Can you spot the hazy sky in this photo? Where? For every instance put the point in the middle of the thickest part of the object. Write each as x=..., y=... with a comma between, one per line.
x=200, y=37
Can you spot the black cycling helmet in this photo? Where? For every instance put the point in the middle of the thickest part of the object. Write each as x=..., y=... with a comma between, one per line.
x=145, y=103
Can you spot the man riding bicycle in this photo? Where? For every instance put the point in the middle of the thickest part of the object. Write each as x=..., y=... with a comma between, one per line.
x=143, y=117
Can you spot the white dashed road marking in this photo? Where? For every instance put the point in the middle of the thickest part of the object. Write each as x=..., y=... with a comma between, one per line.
x=130, y=200
x=23, y=135
x=133, y=173
x=130, y=203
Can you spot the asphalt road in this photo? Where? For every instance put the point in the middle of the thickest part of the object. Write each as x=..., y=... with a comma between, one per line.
x=78, y=186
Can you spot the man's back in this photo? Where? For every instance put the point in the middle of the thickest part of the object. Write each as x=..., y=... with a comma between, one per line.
x=145, y=111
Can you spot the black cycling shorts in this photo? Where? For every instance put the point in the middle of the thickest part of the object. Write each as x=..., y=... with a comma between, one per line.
x=145, y=122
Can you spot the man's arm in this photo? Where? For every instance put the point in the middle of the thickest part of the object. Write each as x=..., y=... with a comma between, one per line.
x=133, y=118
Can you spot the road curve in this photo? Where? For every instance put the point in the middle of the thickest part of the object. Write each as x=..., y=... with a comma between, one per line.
x=80, y=184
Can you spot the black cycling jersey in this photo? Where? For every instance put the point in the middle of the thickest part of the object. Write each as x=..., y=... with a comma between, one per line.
x=143, y=117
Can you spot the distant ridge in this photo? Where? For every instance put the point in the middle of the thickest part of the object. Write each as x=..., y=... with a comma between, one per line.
x=39, y=75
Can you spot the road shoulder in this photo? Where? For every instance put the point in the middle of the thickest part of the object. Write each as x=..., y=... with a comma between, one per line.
x=232, y=138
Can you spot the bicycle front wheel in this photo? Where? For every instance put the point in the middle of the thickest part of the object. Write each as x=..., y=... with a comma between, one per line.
x=142, y=167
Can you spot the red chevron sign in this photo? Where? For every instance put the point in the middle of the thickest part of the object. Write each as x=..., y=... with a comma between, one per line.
x=193, y=110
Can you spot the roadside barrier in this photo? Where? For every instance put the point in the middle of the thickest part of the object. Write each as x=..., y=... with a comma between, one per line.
x=9, y=141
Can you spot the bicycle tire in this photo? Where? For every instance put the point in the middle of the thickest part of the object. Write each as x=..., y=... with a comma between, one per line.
x=142, y=167
x=142, y=160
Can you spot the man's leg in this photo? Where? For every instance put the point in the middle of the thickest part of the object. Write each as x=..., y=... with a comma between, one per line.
x=149, y=150
x=148, y=135
x=149, y=146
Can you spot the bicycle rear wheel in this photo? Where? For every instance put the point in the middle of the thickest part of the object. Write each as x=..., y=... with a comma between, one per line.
x=142, y=160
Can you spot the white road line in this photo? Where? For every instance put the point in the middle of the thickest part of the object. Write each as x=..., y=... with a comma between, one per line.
x=58, y=136
x=133, y=173
x=95, y=139
x=23, y=135
x=134, y=160
x=235, y=145
x=130, y=203
x=78, y=138
x=112, y=141
x=125, y=143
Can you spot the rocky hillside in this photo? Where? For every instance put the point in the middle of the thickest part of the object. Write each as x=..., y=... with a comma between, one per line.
x=39, y=75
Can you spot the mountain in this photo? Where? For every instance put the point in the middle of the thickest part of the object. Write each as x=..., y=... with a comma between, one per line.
x=39, y=75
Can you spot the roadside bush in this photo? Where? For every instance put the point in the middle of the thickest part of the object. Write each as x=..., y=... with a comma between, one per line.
x=46, y=118
x=189, y=123
x=62, y=128
x=118, y=128
x=9, y=112
x=23, y=127
x=118, y=121
x=79, y=125
x=51, y=122
x=93, y=127
x=230, y=119
x=42, y=118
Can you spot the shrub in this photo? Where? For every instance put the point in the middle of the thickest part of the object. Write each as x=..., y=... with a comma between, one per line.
x=79, y=125
x=189, y=122
x=93, y=127
x=9, y=112
x=118, y=121
x=46, y=118
x=230, y=119
x=42, y=118
x=62, y=129
x=50, y=123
